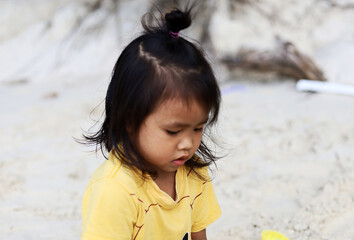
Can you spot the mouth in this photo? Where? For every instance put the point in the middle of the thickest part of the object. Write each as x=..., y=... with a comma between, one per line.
x=180, y=161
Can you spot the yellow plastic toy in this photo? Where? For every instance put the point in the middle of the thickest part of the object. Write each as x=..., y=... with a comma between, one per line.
x=273, y=235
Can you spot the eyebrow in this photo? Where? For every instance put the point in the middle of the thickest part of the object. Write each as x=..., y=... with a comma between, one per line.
x=177, y=124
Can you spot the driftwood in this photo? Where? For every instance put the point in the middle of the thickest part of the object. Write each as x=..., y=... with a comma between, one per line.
x=286, y=61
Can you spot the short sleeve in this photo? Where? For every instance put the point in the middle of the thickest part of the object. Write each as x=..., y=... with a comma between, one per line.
x=205, y=208
x=108, y=212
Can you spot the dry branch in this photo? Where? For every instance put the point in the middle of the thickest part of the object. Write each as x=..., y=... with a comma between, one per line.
x=286, y=61
x=343, y=6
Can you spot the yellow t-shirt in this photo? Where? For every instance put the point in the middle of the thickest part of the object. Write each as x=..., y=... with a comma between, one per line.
x=118, y=205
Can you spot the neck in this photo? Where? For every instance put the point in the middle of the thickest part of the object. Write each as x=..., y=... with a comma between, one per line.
x=167, y=183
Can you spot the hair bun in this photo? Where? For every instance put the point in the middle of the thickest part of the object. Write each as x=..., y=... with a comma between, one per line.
x=178, y=20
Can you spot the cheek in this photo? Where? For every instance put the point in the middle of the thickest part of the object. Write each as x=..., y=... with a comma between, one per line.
x=197, y=140
x=149, y=140
x=142, y=141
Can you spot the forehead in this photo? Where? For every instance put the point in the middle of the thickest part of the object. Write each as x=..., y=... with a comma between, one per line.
x=180, y=110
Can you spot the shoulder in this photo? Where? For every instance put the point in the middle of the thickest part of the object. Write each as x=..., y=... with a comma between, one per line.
x=110, y=191
x=114, y=175
x=108, y=200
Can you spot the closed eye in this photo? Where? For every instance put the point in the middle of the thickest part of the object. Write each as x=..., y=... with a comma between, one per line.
x=169, y=132
x=199, y=129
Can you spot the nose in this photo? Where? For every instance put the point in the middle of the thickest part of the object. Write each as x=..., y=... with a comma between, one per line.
x=186, y=143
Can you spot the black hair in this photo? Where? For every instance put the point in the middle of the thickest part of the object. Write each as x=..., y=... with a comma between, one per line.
x=153, y=68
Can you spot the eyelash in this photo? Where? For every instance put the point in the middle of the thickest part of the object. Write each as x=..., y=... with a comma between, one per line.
x=171, y=132
x=176, y=132
x=198, y=129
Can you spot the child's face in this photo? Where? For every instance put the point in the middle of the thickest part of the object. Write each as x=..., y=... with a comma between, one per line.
x=171, y=134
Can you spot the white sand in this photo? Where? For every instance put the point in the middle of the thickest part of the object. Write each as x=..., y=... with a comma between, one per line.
x=290, y=165
x=291, y=168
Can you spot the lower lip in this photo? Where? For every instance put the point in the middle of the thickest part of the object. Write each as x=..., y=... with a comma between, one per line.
x=179, y=162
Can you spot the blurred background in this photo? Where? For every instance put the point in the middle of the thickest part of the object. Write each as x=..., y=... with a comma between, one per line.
x=289, y=163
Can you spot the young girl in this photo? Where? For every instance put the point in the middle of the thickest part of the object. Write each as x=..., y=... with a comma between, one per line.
x=155, y=183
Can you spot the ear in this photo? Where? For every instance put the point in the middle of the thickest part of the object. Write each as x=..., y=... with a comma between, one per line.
x=129, y=129
x=131, y=132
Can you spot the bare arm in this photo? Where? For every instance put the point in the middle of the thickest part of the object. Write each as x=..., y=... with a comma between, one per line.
x=199, y=235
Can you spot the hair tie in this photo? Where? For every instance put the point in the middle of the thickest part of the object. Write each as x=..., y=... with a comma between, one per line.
x=174, y=34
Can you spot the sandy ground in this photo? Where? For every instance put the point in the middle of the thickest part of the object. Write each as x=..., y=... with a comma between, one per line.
x=290, y=163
